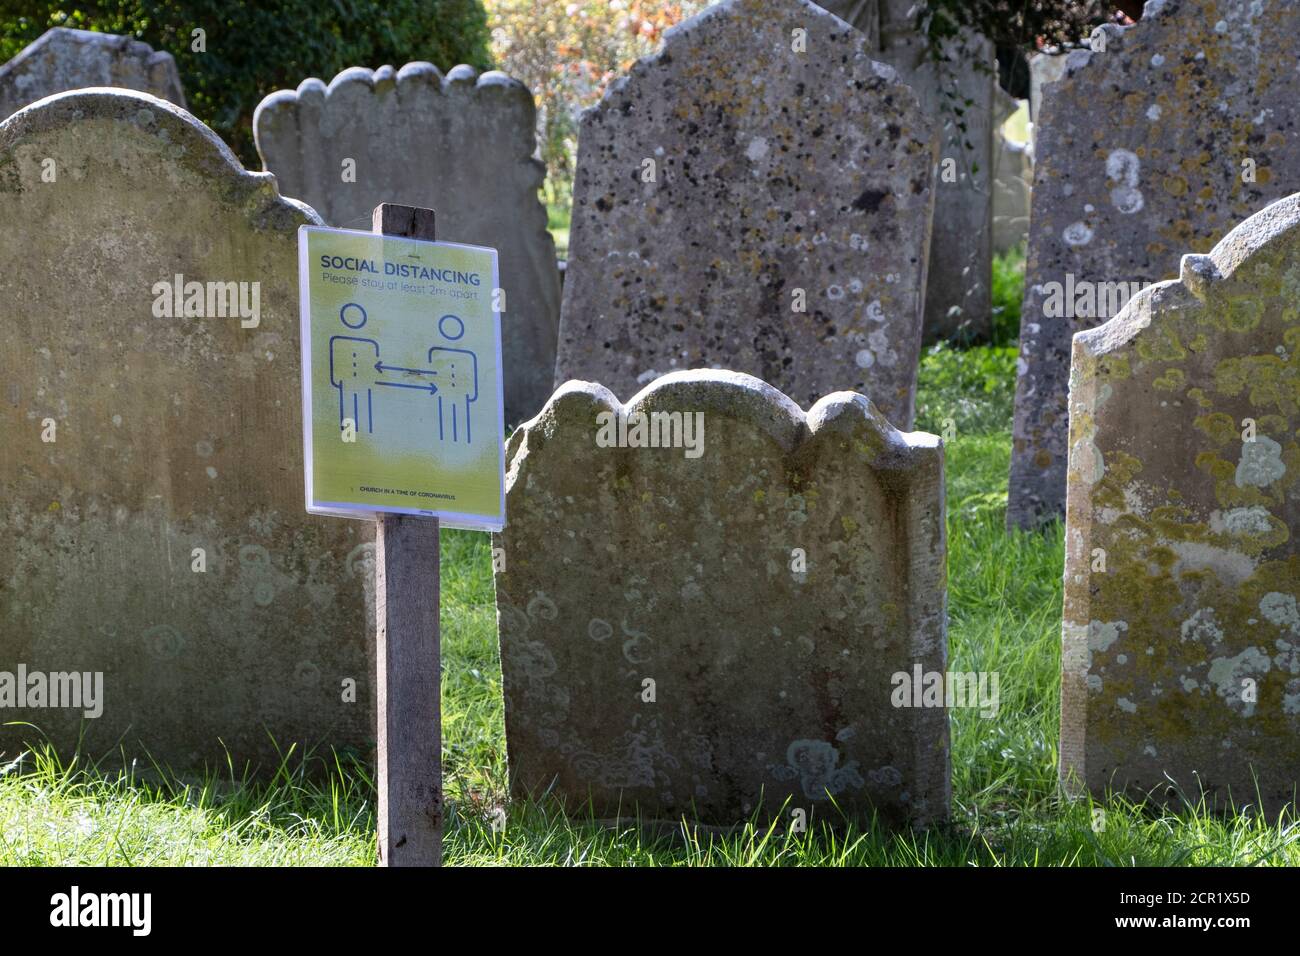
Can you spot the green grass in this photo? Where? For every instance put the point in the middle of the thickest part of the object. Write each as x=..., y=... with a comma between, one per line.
x=558, y=213
x=1004, y=606
x=1006, y=293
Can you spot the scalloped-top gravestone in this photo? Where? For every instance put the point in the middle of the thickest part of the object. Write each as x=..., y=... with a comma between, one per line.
x=462, y=145
x=757, y=197
x=1185, y=124
x=62, y=59
x=1181, y=642
x=707, y=598
x=151, y=481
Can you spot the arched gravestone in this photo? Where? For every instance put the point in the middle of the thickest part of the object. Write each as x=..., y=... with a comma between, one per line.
x=62, y=59
x=1181, y=652
x=169, y=435
x=461, y=144
x=757, y=197
x=1187, y=123
x=770, y=575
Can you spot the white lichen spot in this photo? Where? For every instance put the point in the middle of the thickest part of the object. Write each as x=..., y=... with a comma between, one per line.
x=1202, y=627
x=1153, y=112
x=1076, y=234
x=1243, y=521
x=815, y=763
x=1126, y=705
x=756, y=149
x=1280, y=609
x=1261, y=463
x=864, y=359
x=1102, y=634
x=212, y=472
x=1227, y=673
x=1291, y=697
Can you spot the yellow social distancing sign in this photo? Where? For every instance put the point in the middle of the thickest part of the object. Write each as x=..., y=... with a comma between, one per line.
x=401, y=380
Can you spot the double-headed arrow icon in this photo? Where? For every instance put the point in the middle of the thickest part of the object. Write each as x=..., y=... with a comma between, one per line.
x=431, y=388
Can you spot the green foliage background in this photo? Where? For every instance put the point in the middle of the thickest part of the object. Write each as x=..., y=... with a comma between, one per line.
x=255, y=48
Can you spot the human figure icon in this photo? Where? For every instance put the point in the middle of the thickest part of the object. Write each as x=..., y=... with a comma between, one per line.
x=352, y=369
x=457, y=387
x=352, y=372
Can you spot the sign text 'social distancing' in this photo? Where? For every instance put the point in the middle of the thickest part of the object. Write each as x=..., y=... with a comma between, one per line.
x=402, y=389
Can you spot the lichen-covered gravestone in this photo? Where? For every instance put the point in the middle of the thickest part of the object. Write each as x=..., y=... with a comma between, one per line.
x=461, y=144
x=1181, y=644
x=63, y=59
x=757, y=197
x=1184, y=125
x=707, y=597
x=151, y=486
x=957, y=92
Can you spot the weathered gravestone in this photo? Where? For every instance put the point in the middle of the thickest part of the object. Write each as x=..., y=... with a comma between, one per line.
x=1185, y=125
x=152, y=490
x=1044, y=68
x=1181, y=643
x=712, y=625
x=757, y=196
x=462, y=144
x=1013, y=173
x=63, y=59
x=958, y=94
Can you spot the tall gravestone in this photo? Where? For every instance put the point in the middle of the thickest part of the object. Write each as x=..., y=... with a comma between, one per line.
x=957, y=92
x=1181, y=640
x=1187, y=123
x=461, y=144
x=757, y=197
x=152, y=483
x=711, y=625
x=62, y=59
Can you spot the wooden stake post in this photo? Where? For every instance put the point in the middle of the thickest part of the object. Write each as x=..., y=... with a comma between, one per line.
x=409, y=706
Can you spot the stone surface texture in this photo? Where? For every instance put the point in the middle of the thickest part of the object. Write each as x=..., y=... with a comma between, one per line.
x=772, y=679
x=62, y=59
x=778, y=176
x=170, y=435
x=1142, y=154
x=463, y=145
x=958, y=92
x=1181, y=640
x=1013, y=176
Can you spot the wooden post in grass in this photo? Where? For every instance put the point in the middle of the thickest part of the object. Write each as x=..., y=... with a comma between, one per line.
x=406, y=647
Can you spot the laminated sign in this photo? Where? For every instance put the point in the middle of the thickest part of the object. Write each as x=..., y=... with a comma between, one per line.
x=401, y=380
